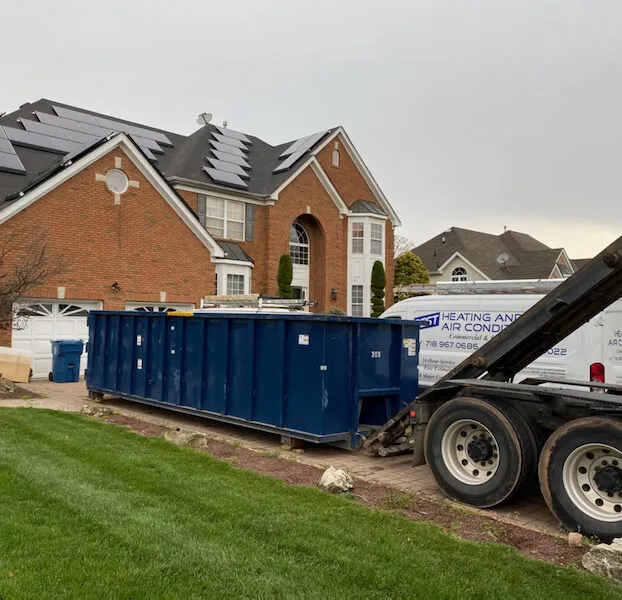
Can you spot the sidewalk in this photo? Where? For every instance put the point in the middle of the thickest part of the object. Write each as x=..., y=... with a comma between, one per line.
x=396, y=471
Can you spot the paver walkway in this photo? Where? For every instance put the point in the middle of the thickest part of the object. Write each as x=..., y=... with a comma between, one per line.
x=396, y=471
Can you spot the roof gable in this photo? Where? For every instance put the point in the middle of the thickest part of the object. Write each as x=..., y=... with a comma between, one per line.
x=511, y=255
x=61, y=172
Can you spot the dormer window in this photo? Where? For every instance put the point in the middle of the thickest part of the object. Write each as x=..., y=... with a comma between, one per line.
x=459, y=274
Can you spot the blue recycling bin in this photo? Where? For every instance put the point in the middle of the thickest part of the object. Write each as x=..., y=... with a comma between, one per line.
x=66, y=360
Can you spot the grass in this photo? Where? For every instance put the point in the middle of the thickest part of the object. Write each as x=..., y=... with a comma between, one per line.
x=91, y=510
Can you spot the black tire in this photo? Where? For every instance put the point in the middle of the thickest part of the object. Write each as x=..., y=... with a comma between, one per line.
x=516, y=458
x=50, y=376
x=557, y=488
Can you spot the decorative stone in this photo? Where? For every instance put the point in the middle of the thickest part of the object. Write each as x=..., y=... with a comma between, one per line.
x=575, y=540
x=336, y=480
x=189, y=439
x=606, y=560
x=96, y=411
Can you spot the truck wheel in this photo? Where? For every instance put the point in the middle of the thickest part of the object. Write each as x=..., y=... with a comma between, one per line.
x=480, y=453
x=580, y=475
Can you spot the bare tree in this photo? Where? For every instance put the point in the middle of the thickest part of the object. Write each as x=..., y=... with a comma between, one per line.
x=25, y=263
x=402, y=244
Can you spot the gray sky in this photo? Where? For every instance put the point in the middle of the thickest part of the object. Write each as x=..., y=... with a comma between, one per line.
x=470, y=113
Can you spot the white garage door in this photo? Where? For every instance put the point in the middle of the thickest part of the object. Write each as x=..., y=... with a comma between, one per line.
x=158, y=307
x=40, y=321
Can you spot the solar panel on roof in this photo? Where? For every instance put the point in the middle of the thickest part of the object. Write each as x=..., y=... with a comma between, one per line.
x=94, y=130
x=288, y=162
x=238, y=135
x=6, y=146
x=83, y=138
x=294, y=147
x=228, y=149
x=303, y=144
x=11, y=163
x=32, y=140
x=112, y=125
x=231, y=158
x=67, y=146
x=224, y=177
x=149, y=154
x=229, y=167
x=229, y=141
x=51, y=130
x=2, y=134
x=146, y=143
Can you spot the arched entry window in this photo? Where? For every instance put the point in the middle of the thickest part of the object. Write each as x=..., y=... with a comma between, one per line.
x=459, y=274
x=298, y=244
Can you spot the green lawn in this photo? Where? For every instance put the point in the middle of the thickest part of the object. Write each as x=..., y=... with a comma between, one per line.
x=89, y=510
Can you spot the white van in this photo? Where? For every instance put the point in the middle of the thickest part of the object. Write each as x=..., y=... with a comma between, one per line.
x=457, y=325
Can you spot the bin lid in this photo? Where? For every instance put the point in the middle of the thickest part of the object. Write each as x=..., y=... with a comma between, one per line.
x=67, y=342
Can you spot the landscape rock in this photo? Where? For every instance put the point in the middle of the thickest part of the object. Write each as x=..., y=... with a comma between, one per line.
x=96, y=411
x=189, y=439
x=336, y=480
x=605, y=560
x=6, y=385
x=575, y=540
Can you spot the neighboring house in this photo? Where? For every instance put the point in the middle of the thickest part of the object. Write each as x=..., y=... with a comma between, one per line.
x=465, y=255
x=151, y=220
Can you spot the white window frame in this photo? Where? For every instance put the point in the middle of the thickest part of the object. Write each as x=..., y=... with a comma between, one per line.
x=377, y=240
x=229, y=282
x=462, y=275
x=300, y=246
x=357, y=238
x=225, y=219
x=358, y=308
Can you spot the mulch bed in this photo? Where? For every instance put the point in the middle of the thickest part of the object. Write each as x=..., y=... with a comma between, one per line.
x=462, y=523
x=19, y=393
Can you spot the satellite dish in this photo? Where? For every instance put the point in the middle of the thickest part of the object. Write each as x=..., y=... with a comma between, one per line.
x=204, y=118
x=502, y=259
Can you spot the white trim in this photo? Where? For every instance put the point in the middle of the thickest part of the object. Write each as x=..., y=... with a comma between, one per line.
x=121, y=141
x=468, y=262
x=563, y=254
x=322, y=177
x=365, y=172
x=555, y=273
x=365, y=215
x=228, y=261
x=222, y=195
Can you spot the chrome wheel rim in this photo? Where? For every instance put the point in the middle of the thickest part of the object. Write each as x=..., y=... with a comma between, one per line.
x=470, y=452
x=592, y=477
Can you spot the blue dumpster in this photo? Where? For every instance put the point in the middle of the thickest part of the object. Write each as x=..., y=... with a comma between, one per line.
x=66, y=360
x=324, y=379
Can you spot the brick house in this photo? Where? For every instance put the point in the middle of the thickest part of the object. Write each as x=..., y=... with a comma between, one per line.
x=148, y=219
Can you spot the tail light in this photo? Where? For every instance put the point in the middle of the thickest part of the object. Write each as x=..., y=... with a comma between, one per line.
x=597, y=372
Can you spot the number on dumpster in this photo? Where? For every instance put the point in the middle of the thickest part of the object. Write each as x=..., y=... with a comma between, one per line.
x=376, y=354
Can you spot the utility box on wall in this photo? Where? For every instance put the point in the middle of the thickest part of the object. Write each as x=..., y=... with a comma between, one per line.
x=319, y=378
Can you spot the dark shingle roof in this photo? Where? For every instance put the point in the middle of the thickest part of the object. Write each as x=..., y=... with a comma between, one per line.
x=234, y=251
x=527, y=258
x=185, y=159
x=365, y=206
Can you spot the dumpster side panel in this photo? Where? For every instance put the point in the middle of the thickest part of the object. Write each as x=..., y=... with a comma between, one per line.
x=241, y=365
x=111, y=353
x=126, y=354
x=338, y=411
x=304, y=375
x=154, y=349
x=216, y=353
x=270, y=361
x=192, y=361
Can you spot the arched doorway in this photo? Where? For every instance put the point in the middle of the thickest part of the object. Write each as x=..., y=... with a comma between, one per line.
x=306, y=248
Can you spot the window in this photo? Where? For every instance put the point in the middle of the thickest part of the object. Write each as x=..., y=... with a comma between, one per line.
x=298, y=244
x=459, y=274
x=376, y=239
x=235, y=284
x=358, y=232
x=222, y=218
x=335, y=158
x=357, y=301
x=216, y=283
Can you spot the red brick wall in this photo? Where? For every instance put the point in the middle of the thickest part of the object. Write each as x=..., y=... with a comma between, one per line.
x=142, y=244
